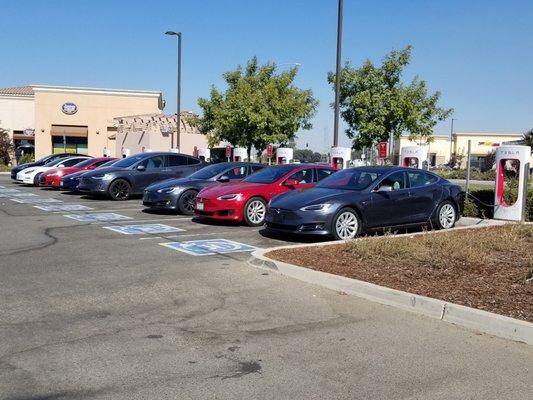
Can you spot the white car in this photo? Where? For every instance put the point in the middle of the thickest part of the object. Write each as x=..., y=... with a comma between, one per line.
x=31, y=175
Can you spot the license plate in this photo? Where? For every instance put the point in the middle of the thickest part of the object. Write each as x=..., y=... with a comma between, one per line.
x=200, y=206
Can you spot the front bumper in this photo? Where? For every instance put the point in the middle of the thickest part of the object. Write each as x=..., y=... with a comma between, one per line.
x=69, y=183
x=94, y=186
x=299, y=222
x=167, y=201
x=25, y=178
x=227, y=210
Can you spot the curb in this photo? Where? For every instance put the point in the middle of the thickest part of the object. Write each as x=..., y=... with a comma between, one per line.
x=5, y=173
x=467, y=317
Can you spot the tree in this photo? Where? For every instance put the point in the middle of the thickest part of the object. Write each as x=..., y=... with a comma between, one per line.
x=258, y=107
x=6, y=146
x=307, y=155
x=528, y=138
x=376, y=104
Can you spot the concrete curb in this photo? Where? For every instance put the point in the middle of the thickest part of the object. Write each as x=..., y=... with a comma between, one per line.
x=5, y=173
x=467, y=317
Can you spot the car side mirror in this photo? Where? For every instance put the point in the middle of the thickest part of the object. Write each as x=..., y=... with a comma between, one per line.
x=141, y=168
x=291, y=182
x=223, y=179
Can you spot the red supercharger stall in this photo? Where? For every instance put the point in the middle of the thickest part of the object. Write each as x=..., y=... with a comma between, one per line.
x=341, y=157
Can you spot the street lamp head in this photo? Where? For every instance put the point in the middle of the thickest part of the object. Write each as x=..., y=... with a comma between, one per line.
x=172, y=33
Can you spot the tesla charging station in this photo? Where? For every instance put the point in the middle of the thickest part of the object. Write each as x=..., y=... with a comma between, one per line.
x=284, y=155
x=204, y=154
x=414, y=157
x=341, y=157
x=239, y=154
x=515, y=159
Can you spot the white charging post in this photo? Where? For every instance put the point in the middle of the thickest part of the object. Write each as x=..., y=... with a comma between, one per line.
x=341, y=157
x=514, y=160
x=414, y=157
x=284, y=155
x=239, y=154
x=204, y=154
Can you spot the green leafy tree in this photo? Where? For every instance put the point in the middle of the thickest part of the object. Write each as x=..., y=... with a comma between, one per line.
x=6, y=147
x=258, y=107
x=376, y=104
x=528, y=138
x=307, y=155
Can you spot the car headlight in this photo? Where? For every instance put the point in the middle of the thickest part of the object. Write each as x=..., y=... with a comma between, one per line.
x=316, y=207
x=168, y=190
x=232, y=196
x=105, y=177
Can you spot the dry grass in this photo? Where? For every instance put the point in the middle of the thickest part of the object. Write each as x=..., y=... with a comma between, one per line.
x=489, y=268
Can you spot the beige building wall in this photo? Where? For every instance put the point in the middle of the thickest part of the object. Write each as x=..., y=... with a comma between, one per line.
x=438, y=149
x=96, y=110
x=481, y=143
x=17, y=113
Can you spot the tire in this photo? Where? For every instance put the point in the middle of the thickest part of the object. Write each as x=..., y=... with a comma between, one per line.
x=186, y=202
x=36, y=179
x=346, y=224
x=119, y=190
x=254, y=212
x=446, y=215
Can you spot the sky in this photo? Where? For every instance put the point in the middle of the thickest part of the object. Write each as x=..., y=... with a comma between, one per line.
x=478, y=54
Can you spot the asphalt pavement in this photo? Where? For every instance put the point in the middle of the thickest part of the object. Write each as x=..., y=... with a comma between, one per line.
x=160, y=306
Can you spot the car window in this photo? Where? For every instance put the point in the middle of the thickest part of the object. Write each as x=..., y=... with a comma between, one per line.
x=153, y=163
x=421, y=178
x=101, y=162
x=323, y=173
x=395, y=181
x=255, y=168
x=175, y=160
x=350, y=179
x=236, y=172
x=192, y=161
x=303, y=176
x=71, y=162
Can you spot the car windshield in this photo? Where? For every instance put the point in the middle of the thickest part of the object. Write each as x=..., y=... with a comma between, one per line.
x=210, y=171
x=108, y=164
x=54, y=161
x=128, y=161
x=350, y=179
x=84, y=163
x=270, y=174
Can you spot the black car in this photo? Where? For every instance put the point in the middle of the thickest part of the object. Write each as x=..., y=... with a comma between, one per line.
x=358, y=199
x=41, y=162
x=179, y=194
x=70, y=182
x=131, y=175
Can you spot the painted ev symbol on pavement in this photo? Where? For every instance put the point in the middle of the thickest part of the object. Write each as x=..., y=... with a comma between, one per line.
x=144, y=228
x=94, y=217
x=63, y=207
x=209, y=247
x=33, y=200
x=23, y=194
x=4, y=190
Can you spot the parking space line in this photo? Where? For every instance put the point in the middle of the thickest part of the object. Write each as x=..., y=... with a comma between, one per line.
x=141, y=221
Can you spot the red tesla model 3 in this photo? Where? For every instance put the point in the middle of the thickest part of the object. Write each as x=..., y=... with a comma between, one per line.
x=53, y=177
x=247, y=200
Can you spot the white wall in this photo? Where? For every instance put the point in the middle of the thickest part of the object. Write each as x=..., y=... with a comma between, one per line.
x=17, y=113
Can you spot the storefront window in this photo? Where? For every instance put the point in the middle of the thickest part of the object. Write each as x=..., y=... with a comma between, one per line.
x=71, y=144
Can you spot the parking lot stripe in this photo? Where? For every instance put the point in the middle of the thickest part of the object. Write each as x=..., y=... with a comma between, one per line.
x=142, y=221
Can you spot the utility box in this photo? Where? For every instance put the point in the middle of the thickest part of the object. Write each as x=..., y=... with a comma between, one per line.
x=204, y=154
x=239, y=154
x=341, y=157
x=284, y=155
x=414, y=157
x=512, y=170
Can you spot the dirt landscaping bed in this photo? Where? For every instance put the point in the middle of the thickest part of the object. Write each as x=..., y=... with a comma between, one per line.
x=487, y=268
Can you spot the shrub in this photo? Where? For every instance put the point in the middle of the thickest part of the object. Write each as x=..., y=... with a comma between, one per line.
x=27, y=158
x=480, y=203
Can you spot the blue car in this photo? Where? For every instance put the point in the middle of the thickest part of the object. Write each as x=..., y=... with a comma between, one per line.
x=355, y=200
x=70, y=182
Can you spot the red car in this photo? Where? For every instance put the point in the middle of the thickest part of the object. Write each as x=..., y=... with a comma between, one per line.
x=247, y=200
x=52, y=178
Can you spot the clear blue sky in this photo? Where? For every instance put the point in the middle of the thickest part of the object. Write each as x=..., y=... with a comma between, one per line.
x=479, y=54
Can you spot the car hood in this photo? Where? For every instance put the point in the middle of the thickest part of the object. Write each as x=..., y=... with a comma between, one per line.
x=185, y=182
x=297, y=199
x=76, y=174
x=103, y=171
x=20, y=167
x=51, y=171
x=230, y=188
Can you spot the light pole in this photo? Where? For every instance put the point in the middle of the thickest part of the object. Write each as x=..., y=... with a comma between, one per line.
x=337, y=77
x=178, y=125
x=451, y=140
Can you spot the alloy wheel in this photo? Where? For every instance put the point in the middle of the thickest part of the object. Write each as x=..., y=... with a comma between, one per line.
x=447, y=216
x=256, y=212
x=120, y=190
x=346, y=225
x=188, y=201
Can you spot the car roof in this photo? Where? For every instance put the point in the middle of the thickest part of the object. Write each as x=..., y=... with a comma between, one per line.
x=239, y=163
x=160, y=153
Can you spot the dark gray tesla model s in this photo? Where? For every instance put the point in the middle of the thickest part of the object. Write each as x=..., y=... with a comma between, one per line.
x=131, y=175
x=179, y=194
x=358, y=199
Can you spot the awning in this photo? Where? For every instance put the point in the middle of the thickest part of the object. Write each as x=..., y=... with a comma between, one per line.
x=21, y=136
x=69, y=130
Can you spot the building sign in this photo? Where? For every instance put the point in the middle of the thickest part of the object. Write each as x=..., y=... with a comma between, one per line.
x=69, y=108
x=29, y=132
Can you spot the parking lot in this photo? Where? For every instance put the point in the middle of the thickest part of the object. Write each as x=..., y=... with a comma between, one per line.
x=103, y=300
